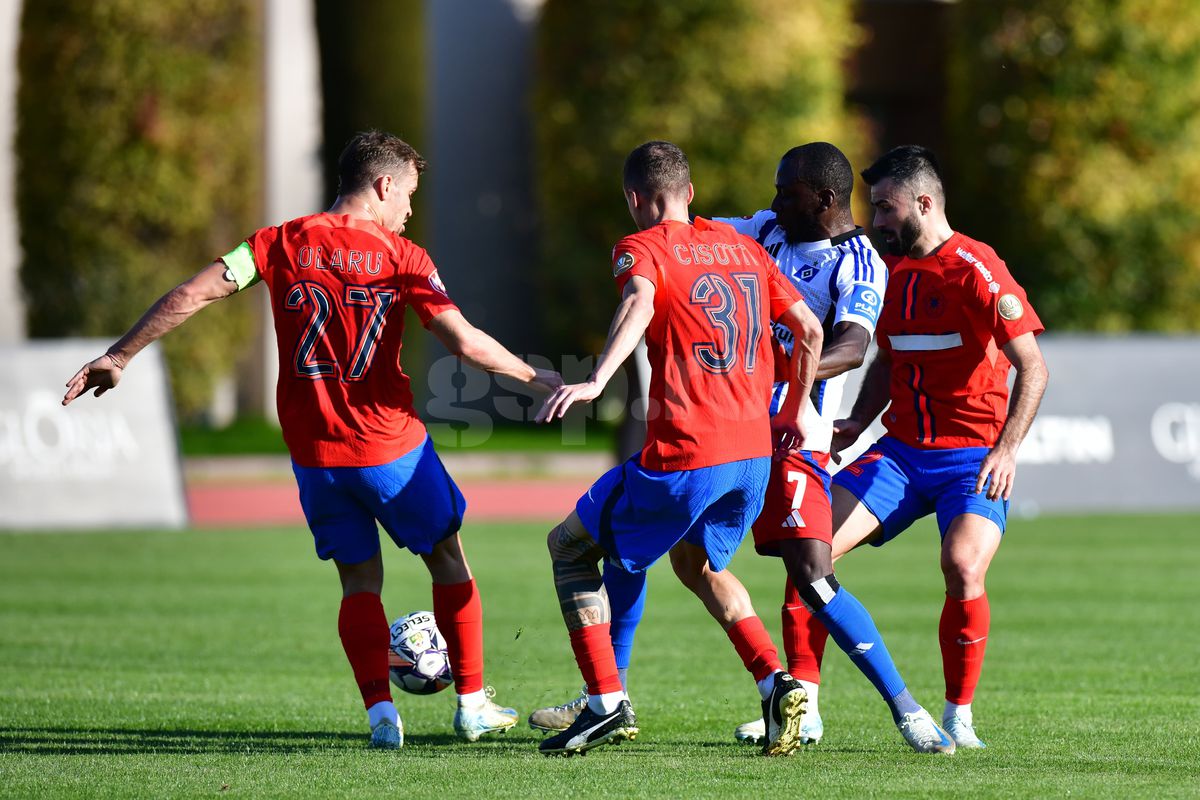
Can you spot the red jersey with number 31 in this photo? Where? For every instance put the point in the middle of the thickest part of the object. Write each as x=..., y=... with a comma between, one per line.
x=945, y=319
x=709, y=342
x=338, y=287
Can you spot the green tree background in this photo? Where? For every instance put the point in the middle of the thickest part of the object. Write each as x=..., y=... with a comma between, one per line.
x=357, y=95
x=353, y=35
x=735, y=83
x=1077, y=154
x=1074, y=127
x=137, y=164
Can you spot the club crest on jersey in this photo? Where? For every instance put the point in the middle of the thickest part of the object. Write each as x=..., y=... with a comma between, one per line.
x=1010, y=307
x=436, y=282
x=624, y=263
x=935, y=305
x=808, y=273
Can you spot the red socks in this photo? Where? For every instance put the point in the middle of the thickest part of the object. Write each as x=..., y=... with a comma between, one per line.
x=754, y=645
x=363, y=628
x=594, y=655
x=460, y=619
x=804, y=637
x=963, y=633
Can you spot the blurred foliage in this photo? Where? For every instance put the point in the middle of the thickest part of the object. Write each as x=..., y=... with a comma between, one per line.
x=1078, y=159
x=137, y=164
x=355, y=38
x=735, y=83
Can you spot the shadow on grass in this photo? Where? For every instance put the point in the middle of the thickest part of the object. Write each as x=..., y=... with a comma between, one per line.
x=135, y=741
x=79, y=741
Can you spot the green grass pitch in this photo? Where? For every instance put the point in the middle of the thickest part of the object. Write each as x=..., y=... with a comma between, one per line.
x=204, y=664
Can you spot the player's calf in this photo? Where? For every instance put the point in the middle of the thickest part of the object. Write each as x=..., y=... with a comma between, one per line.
x=574, y=559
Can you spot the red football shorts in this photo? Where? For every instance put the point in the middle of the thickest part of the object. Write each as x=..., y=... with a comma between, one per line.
x=798, y=504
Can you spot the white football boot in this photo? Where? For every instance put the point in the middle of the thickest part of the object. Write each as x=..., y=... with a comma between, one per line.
x=962, y=732
x=471, y=722
x=924, y=735
x=754, y=731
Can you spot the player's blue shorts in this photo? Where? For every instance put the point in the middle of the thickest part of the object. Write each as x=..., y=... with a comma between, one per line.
x=900, y=484
x=413, y=498
x=636, y=514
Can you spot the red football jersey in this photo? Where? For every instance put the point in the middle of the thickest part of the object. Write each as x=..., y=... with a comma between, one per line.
x=945, y=319
x=338, y=291
x=709, y=342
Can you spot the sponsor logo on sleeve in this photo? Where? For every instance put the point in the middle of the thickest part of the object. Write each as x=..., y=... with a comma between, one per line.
x=436, y=282
x=1010, y=307
x=623, y=264
x=866, y=302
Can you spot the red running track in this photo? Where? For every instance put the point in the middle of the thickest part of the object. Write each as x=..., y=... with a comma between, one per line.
x=219, y=505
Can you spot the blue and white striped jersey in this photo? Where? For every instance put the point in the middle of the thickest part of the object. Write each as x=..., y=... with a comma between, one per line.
x=842, y=279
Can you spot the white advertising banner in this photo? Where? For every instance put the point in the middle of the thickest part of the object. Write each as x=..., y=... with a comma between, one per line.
x=107, y=462
x=1118, y=429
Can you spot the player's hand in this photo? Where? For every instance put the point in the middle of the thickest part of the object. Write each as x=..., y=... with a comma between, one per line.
x=1000, y=464
x=547, y=379
x=102, y=374
x=564, y=397
x=788, y=433
x=845, y=433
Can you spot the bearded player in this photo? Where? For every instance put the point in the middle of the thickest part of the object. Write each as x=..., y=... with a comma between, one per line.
x=954, y=323
x=810, y=233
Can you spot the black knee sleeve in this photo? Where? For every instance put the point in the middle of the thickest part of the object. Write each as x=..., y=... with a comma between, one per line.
x=816, y=594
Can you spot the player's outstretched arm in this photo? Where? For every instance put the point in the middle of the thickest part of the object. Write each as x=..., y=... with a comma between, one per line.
x=872, y=399
x=1032, y=376
x=844, y=350
x=168, y=312
x=807, y=335
x=628, y=326
x=483, y=352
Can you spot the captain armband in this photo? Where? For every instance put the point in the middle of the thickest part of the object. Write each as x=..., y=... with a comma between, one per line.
x=239, y=266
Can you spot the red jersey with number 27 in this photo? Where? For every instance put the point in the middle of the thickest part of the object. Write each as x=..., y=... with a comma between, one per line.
x=945, y=319
x=338, y=287
x=709, y=342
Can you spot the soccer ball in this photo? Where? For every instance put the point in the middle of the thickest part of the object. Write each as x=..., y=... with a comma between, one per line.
x=417, y=661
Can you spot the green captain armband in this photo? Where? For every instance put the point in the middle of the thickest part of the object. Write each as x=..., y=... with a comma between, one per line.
x=239, y=266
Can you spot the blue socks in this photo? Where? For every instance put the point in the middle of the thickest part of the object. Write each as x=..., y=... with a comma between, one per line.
x=627, y=599
x=852, y=628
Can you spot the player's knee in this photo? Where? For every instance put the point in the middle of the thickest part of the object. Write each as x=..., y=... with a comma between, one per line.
x=815, y=594
x=806, y=560
x=447, y=564
x=964, y=577
x=565, y=543
x=366, y=576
